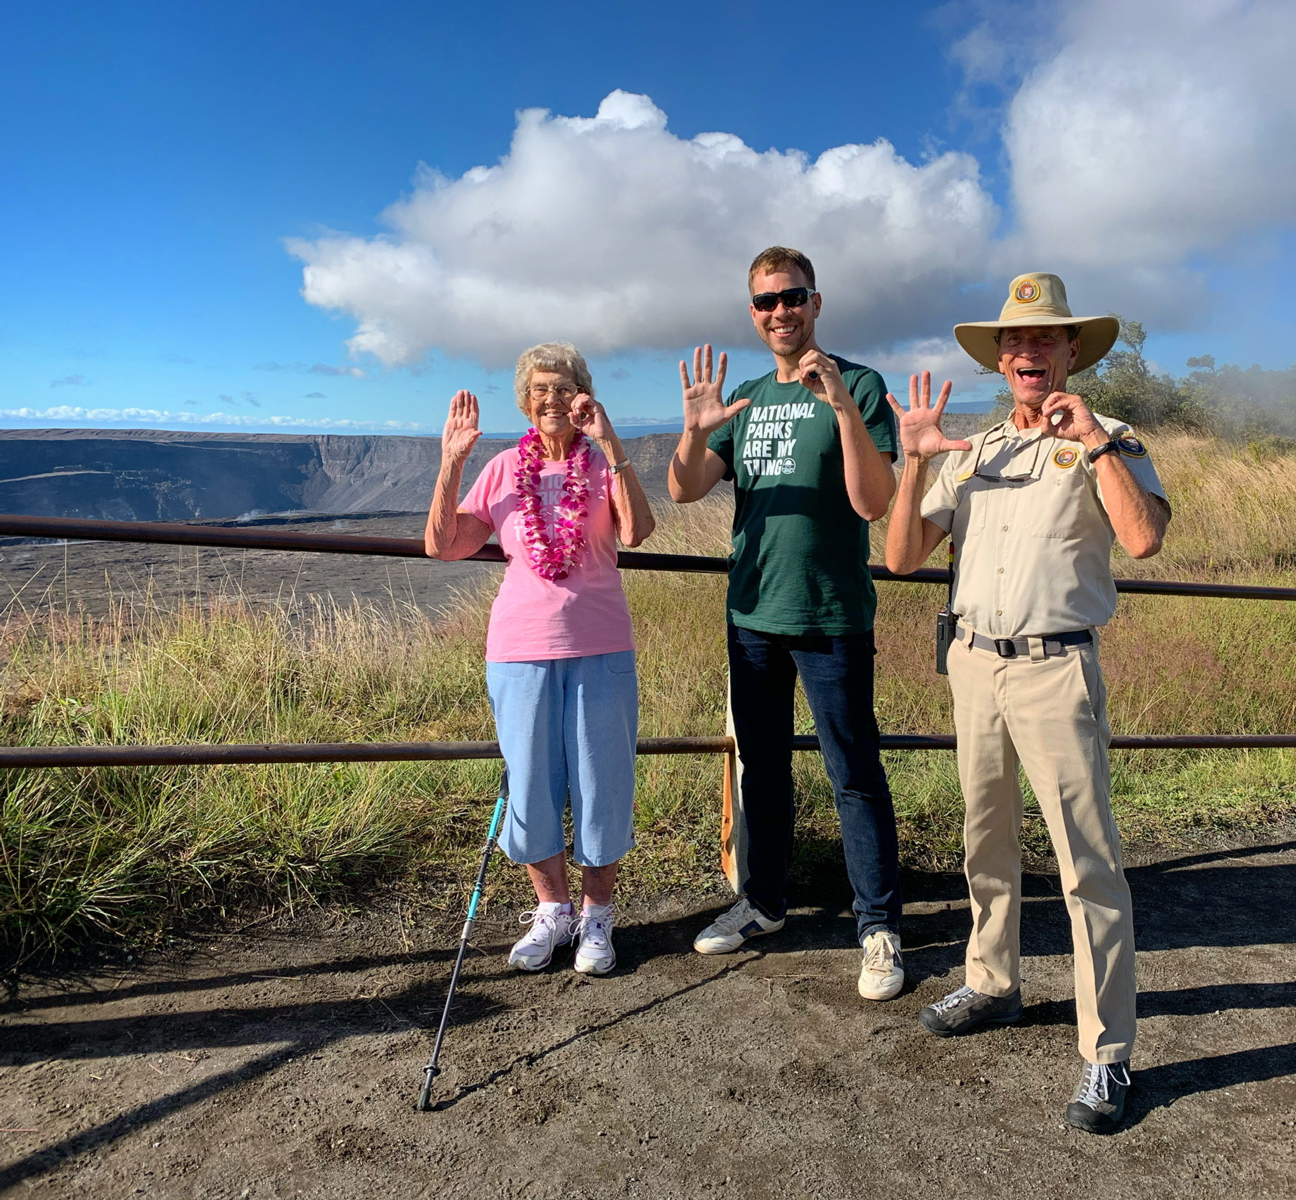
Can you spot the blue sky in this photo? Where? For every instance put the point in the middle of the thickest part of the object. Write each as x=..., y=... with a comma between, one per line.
x=170, y=169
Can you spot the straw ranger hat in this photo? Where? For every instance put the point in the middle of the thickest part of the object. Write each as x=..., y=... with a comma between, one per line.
x=1038, y=299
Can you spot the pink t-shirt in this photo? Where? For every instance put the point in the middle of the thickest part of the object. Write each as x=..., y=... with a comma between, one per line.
x=534, y=618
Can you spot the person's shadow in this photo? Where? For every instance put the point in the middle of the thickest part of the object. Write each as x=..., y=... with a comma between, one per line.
x=1224, y=898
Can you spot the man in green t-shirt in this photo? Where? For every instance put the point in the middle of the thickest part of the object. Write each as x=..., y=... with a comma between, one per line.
x=808, y=448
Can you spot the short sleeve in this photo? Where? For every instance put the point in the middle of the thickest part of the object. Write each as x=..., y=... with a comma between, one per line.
x=484, y=492
x=1134, y=455
x=942, y=497
x=869, y=391
x=722, y=440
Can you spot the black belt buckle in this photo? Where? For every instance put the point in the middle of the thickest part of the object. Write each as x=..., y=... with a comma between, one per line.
x=1005, y=647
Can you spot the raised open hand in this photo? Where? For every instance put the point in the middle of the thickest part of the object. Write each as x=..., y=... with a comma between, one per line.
x=920, y=432
x=704, y=408
x=461, y=433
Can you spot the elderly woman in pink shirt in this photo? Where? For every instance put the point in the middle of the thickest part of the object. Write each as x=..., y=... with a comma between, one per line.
x=560, y=665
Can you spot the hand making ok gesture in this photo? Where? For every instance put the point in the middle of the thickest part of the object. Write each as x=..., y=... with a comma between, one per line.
x=704, y=408
x=920, y=432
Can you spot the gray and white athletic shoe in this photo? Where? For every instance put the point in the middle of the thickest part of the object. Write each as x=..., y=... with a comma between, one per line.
x=592, y=934
x=534, y=950
x=731, y=929
x=965, y=1010
x=1099, y=1102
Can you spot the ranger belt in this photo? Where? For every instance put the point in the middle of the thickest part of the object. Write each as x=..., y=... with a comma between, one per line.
x=1013, y=647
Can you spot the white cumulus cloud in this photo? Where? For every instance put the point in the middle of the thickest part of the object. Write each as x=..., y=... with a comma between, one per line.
x=614, y=233
x=1156, y=132
x=1157, y=129
x=1140, y=136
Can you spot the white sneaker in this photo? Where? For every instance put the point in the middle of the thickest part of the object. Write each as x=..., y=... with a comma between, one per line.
x=882, y=973
x=550, y=927
x=593, y=934
x=729, y=930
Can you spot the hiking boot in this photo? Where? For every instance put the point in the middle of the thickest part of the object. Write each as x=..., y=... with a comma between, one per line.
x=965, y=1010
x=729, y=930
x=551, y=927
x=1099, y=1102
x=882, y=973
x=592, y=934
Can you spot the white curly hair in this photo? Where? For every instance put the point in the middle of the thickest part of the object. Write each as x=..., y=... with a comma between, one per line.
x=550, y=356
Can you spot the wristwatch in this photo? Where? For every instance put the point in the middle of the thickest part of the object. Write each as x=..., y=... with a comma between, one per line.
x=1098, y=451
x=617, y=468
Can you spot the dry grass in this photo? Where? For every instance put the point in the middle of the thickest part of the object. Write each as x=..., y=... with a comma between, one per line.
x=85, y=854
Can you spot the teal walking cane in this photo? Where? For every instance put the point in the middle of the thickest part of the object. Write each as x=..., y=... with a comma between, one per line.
x=432, y=1070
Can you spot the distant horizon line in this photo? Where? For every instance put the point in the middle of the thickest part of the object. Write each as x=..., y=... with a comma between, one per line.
x=645, y=425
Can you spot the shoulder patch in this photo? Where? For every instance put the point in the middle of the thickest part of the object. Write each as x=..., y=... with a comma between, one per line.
x=1131, y=447
x=1065, y=457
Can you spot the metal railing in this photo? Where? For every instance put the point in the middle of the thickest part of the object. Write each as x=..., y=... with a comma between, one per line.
x=242, y=538
x=176, y=533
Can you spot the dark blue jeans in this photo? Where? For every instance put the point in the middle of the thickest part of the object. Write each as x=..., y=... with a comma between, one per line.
x=837, y=675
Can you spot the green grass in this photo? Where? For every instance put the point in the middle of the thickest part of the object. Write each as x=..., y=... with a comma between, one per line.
x=95, y=854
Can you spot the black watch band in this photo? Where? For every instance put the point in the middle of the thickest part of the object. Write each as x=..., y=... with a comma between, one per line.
x=1098, y=451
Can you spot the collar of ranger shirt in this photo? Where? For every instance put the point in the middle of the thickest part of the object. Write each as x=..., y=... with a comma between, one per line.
x=1009, y=429
x=1006, y=444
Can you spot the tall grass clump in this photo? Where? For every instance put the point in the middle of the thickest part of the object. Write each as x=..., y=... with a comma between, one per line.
x=122, y=851
x=88, y=854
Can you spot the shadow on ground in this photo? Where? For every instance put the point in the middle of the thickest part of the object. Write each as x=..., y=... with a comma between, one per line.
x=665, y=1035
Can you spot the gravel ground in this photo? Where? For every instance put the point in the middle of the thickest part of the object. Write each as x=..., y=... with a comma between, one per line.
x=279, y=1062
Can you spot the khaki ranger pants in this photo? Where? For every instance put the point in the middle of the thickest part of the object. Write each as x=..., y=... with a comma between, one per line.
x=1049, y=713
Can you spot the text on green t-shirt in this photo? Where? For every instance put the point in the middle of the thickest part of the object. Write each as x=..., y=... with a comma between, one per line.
x=800, y=551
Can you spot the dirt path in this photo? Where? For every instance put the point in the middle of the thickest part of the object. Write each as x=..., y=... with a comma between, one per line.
x=287, y=1064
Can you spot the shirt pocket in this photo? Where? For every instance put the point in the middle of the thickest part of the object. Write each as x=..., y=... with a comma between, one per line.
x=1061, y=505
x=970, y=512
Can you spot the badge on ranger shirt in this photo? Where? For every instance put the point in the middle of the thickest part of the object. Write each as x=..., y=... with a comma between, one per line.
x=1131, y=446
x=1065, y=457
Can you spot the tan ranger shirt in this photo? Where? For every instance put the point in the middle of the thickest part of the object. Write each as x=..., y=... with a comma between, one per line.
x=1032, y=541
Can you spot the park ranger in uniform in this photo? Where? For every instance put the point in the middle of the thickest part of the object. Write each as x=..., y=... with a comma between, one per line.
x=1033, y=506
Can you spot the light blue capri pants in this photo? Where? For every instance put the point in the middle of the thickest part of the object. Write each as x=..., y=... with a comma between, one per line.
x=568, y=725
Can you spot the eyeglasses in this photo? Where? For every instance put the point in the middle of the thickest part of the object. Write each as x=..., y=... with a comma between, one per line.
x=789, y=298
x=561, y=391
x=1045, y=338
x=1009, y=476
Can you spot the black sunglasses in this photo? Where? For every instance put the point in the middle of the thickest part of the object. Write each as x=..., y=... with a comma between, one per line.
x=790, y=298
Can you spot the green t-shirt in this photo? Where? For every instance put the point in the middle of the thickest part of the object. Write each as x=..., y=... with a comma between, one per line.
x=800, y=551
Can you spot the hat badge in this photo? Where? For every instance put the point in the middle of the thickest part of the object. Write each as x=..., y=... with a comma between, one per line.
x=1026, y=291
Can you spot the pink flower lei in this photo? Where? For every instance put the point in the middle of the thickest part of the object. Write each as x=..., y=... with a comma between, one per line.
x=556, y=559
